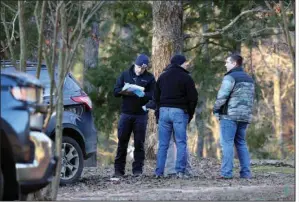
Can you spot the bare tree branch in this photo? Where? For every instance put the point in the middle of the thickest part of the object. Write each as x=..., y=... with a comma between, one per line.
x=40, y=38
x=70, y=9
x=274, y=29
x=13, y=26
x=36, y=16
x=77, y=23
x=195, y=46
x=221, y=31
x=7, y=6
x=59, y=104
x=51, y=8
x=266, y=101
x=68, y=3
x=21, y=8
x=94, y=10
x=8, y=40
x=82, y=27
x=51, y=68
x=290, y=84
x=287, y=34
x=285, y=91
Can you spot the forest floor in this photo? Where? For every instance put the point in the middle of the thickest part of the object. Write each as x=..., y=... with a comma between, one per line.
x=271, y=181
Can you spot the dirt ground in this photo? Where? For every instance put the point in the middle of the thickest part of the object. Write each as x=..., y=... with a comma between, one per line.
x=275, y=181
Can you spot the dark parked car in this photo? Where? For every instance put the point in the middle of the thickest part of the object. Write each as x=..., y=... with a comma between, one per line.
x=27, y=160
x=79, y=143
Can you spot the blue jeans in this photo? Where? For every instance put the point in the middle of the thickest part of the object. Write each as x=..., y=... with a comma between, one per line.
x=172, y=120
x=171, y=159
x=234, y=132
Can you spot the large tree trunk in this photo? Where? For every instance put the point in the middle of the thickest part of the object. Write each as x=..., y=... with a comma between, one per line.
x=287, y=33
x=167, y=40
x=91, y=54
x=21, y=8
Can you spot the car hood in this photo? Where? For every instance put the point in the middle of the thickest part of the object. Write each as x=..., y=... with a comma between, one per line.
x=22, y=77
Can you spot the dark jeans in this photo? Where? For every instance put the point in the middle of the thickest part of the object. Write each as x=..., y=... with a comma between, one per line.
x=126, y=125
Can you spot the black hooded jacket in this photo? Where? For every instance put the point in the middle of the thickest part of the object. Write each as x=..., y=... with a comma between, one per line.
x=175, y=88
x=132, y=104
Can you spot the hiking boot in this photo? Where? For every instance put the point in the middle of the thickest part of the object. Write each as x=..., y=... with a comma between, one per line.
x=118, y=174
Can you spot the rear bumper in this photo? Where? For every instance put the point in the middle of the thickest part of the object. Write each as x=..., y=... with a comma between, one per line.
x=36, y=175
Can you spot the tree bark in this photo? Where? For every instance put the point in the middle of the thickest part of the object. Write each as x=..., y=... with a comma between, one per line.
x=167, y=40
x=91, y=47
x=91, y=54
x=21, y=8
x=59, y=106
x=40, y=39
x=287, y=34
x=51, y=67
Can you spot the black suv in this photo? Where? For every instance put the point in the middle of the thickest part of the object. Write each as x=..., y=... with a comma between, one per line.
x=27, y=160
x=79, y=142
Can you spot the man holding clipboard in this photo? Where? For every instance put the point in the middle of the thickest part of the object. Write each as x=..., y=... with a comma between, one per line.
x=136, y=87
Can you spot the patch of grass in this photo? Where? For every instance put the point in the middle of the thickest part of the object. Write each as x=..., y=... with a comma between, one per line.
x=266, y=169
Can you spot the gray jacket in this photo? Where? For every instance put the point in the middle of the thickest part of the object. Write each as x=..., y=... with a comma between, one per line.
x=236, y=96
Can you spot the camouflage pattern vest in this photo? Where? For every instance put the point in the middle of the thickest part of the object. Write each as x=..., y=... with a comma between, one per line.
x=239, y=105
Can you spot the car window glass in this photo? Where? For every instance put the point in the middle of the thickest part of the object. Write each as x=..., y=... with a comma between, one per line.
x=70, y=85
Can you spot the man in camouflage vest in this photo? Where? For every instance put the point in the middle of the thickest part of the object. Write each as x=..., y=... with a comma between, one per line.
x=233, y=107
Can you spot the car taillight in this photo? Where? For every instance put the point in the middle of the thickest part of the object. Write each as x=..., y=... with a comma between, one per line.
x=83, y=99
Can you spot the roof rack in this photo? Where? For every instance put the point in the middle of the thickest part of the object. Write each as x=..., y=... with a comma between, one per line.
x=8, y=62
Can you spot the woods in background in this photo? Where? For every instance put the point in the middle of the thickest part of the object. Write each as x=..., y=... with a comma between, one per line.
x=100, y=46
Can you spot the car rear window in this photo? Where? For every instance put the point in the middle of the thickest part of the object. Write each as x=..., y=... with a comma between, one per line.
x=70, y=85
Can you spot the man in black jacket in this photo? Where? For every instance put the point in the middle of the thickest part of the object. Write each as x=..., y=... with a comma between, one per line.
x=133, y=118
x=176, y=98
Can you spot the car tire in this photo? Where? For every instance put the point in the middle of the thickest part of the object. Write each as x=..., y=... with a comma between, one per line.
x=1, y=184
x=71, y=161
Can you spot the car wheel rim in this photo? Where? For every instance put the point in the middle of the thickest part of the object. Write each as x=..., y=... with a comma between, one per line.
x=69, y=161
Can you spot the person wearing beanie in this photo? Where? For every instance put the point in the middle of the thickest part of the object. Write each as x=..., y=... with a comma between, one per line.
x=178, y=60
x=176, y=98
x=133, y=118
